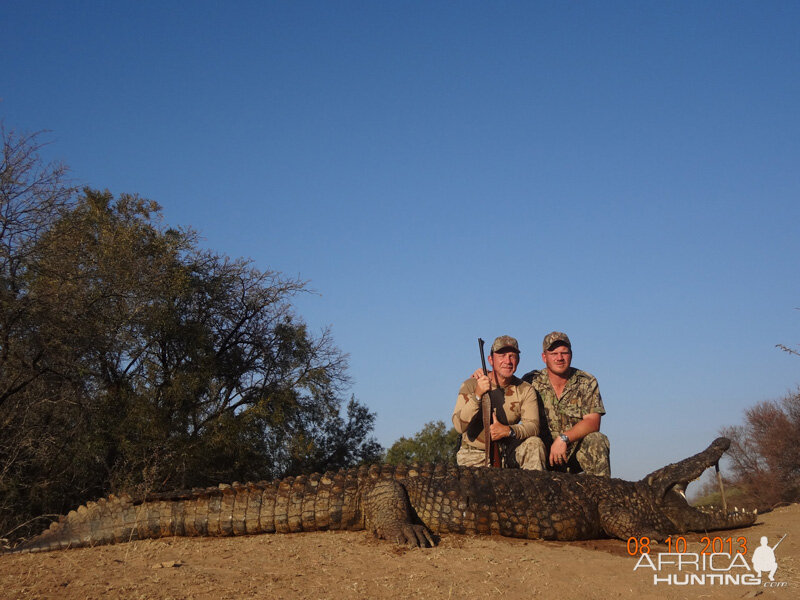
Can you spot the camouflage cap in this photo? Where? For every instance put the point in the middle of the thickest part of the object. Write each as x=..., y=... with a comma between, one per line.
x=505, y=341
x=554, y=337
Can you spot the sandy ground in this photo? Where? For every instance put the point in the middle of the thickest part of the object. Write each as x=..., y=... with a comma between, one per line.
x=341, y=565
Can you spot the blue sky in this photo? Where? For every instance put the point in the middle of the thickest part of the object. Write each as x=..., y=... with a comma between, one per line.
x=627, y=172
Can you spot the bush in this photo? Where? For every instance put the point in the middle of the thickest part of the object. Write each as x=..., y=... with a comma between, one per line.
x=764, y=454
x=434, y=443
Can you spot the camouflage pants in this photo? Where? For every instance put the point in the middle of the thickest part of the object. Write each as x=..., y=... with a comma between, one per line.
x=592, y=455
x=529, y=454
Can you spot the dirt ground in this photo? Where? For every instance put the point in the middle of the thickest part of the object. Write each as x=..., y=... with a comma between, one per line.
x=339, y=565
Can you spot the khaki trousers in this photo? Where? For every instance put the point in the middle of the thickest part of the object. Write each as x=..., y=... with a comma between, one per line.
x=529, y=454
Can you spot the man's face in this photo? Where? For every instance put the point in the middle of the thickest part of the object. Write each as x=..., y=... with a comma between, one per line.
x=504, y=362
x=558, y=359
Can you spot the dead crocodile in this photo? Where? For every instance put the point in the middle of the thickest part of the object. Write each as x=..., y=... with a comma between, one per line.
x=409, y=504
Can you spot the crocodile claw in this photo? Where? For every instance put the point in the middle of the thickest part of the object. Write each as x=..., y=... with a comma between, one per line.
x=417, y=536
x=407, y=534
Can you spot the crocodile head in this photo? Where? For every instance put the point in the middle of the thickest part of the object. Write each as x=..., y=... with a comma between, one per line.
x=668, y=483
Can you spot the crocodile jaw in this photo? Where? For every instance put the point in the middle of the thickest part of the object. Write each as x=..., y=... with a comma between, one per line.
x=688, y=518
x=668, y=484
x=681, y=473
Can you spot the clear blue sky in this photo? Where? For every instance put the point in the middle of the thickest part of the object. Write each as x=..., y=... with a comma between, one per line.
x=627, y=172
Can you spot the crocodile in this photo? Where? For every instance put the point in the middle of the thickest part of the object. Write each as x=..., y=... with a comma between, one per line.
x=409, y=504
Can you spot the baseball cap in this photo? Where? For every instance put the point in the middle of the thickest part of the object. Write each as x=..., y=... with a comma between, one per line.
x=556, y=336
x=503, y=342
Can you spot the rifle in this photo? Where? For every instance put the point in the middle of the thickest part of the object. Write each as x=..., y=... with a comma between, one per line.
x=487, y=401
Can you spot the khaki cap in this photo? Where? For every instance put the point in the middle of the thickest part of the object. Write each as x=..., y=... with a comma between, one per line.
x=556, y=336
x=505, y=341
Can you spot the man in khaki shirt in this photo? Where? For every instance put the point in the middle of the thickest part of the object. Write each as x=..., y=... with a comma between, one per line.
x=520, y=407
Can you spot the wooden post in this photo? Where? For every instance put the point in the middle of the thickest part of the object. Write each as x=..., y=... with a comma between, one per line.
x=721, y=488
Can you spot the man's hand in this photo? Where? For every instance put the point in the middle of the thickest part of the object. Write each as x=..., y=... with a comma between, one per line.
x=588, y=424
x=497, y=429
x=478, y=374
x=558, y=452
x=483, y=385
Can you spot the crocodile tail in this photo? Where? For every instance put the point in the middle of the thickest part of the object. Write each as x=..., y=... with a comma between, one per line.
x=304, y=503
x=105, y=521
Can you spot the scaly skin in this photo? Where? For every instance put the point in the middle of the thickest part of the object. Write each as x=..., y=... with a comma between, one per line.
x=408, y=504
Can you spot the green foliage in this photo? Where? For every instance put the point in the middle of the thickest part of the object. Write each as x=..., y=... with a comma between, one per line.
x=434, y=443
x=132, y=360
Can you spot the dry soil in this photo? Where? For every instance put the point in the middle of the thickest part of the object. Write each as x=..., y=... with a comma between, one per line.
x=348, y=565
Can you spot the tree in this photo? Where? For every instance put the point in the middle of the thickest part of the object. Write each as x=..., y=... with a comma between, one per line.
x=433, y=443
x=328, y=441
x=764, y=455
x=33, y=195
x=137, y=361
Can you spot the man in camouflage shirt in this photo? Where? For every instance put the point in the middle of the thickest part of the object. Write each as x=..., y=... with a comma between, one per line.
x=521, y=409
x=572, y=408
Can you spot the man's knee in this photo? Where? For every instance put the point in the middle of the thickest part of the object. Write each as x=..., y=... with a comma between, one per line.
x=530, y=454
x=594, y=454
x=468, y=456
x=597, y=441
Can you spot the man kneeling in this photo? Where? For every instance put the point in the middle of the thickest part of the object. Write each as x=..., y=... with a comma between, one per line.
x=521, y=445
x=572, y=409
